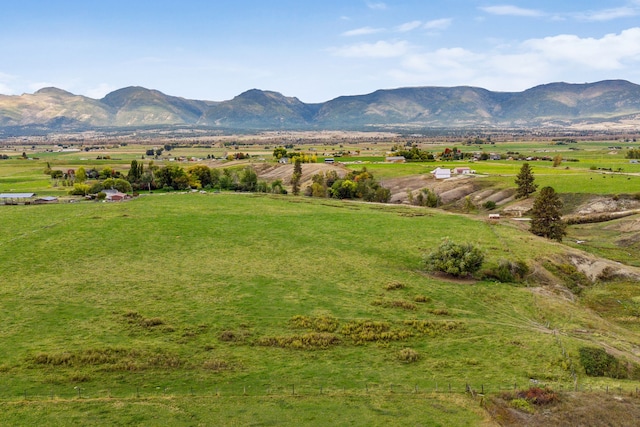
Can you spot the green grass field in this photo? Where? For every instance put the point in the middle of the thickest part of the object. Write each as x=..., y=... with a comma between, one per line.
x=235, y=309
x=223, y=307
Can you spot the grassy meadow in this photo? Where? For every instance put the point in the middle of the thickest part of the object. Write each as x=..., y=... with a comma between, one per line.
x=269, y=308
x=236, y=309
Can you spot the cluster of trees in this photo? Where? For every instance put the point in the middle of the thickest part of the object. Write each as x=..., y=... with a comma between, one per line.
x=414, y=154
x=357, y=184
x=633, y=153
x=169, y=177
x=451, y=154
x=280, y=152
x=426, y=197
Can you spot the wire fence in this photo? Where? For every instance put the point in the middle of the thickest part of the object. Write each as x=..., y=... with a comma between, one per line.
x=239, y=390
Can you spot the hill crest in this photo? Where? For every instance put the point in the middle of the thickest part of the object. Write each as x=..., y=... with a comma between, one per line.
x=550, y=105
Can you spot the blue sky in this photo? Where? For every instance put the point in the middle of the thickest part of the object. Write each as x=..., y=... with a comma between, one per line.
x=314, y=50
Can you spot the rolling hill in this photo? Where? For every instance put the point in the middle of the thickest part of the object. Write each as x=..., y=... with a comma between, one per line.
x=550, y=105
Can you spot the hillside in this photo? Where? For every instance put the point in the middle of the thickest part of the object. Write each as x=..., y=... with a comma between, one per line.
x=277, y=309
x=597, y=105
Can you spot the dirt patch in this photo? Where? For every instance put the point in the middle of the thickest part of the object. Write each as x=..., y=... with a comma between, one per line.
x=595, y=268
x=607, y=204
x=574, y=409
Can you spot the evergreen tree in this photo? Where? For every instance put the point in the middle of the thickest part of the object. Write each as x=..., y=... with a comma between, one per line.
x=524, y=181
x=295, y=178
x=546, y=220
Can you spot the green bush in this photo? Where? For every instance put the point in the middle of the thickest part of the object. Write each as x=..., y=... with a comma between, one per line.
x=454, y=259
x=598, y=363
x=489, y=205
x=508, y=271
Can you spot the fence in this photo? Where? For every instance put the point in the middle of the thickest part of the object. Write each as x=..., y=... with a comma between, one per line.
x=239, y=390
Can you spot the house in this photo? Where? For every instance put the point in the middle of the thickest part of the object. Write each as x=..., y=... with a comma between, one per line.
x=283, y=160
x=440, y=173
x=494, y=216
x=495, y=156
x=463, y=171
x=395, y=159
x=114, y=195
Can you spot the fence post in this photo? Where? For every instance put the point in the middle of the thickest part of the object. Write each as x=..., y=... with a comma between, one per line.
x=449, y=387
x=138, y=391
x=293, y=389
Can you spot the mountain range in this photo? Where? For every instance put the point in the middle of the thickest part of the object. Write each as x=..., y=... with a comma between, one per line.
x=550, y=105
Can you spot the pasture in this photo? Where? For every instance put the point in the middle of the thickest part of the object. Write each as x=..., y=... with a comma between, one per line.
x=246, y=308
x=265, y=304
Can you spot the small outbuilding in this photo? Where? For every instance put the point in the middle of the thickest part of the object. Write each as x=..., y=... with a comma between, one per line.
x=46, y=200
x=114, y=195
x=463, y=171
x=16, y=198
x=441, y=173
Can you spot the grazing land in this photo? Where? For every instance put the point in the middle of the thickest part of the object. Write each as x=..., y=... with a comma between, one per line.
x=216, y=307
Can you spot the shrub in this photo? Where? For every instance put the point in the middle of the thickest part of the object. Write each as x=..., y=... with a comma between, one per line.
x=393, y=286
x=538, y=396
x=573, y=279
x=310, y=341
x=508, y=272
x=489, y=205
x=421, y=298
x=318, y=324
x=521, y=405
x=598, y=363
x=408, y=355
x=454, y=259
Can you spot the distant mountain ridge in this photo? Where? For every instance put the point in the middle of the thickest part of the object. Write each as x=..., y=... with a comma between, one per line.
x=554, y=104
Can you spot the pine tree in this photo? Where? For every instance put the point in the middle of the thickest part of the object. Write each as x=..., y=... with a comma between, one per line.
x=524, y=181
x=546, y=220
x=295, y=178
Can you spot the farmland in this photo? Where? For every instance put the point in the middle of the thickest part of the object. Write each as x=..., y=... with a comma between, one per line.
x=200, y=308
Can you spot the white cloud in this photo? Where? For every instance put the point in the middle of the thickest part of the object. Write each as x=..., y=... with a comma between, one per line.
x=377, y=5
x=608, y=14
x=606, y=53
x=362, y=31
x=380, y=49
x=515, y=67
x=511, y=10
x=408, y=26
x=438, y=24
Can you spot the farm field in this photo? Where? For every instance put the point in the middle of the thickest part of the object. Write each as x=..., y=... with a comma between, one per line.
x=225, y=308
